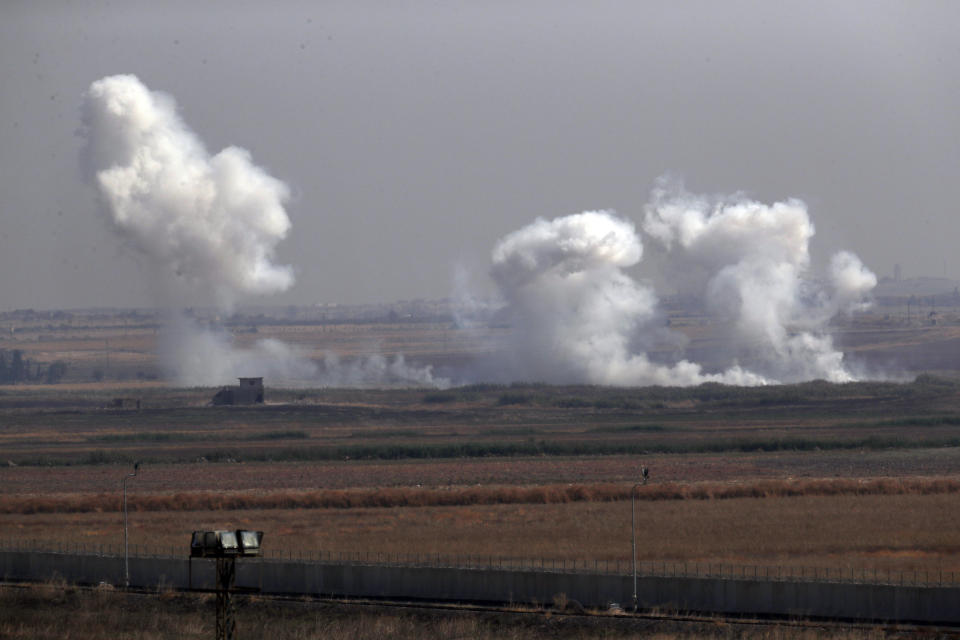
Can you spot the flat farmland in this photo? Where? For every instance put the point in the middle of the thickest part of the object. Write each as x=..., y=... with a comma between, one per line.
x=859, y=476
x=899, y=533
x=120, y=347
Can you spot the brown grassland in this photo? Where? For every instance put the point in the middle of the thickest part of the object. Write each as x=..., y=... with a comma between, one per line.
x=46, y=611
x=854, y=476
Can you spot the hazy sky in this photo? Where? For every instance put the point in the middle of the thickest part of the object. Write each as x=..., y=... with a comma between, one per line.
x=413, y=135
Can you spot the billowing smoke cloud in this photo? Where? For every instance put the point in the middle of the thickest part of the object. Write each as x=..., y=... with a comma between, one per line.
x=751, y=261
x=580, y=317
x=210, y=222
x=205, y=357
x=577, y=315
x=208, y=225
x=376, y=371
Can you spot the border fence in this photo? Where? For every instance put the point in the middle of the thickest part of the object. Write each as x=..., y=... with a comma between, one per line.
x=710, y=589
x=619, y=567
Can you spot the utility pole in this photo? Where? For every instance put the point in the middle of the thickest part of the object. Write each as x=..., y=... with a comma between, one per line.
x=126, y=544
x=226, y=578
x=645, y=473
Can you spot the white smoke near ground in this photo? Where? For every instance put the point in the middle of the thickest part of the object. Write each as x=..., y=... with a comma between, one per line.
x=196, y=356
x=376, y=371
x=576, y=314
x=751, y=261
x=208, y=225
x=210, y=357
x=579, y=317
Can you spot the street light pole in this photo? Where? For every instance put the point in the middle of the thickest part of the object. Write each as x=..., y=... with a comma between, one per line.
x=126, y=545
x=633, y=528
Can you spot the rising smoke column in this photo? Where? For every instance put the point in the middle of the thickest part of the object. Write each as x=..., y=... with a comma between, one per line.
x=208, y=225
x=577, y=315
x=209, y=222
x=751, y=261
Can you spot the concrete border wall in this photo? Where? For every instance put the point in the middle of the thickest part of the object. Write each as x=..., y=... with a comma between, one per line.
x=929, y=604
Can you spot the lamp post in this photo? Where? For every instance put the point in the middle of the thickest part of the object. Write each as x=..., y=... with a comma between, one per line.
x=645, y=473
x=126, y=545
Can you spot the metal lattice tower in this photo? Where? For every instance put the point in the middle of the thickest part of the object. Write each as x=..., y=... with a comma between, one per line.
x=226, y=618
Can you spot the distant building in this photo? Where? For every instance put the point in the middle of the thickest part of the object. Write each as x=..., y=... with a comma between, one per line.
x=125, y=403
x=249, y=391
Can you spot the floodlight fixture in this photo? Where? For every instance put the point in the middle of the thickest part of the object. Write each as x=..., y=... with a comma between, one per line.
x=225, y=543
x=249, y=542
x=225, y=547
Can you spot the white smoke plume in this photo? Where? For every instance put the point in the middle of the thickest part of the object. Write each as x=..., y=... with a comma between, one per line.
x=207, y=225
x=206, y=357
x=376, y=371
x=210, y=222
x=577, y=316
x=751, y=261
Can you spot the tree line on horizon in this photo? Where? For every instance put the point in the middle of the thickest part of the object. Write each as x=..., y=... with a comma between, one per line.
x=15, y=368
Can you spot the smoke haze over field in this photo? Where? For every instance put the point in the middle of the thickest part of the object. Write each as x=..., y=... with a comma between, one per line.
x=211, y=223
x=579, y=318
x=750, y=262
x=391, y=141
x=206, y=225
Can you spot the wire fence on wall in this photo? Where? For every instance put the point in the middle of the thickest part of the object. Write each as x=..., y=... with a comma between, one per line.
x=767, y=573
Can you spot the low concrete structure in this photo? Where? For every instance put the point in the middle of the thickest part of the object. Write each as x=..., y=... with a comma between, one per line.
x=747, y=596
x=249, y=391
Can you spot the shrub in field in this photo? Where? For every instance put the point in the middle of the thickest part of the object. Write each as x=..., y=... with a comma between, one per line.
x=440, y=397
x=512, y=398
x=101, y=456
x=574, y=403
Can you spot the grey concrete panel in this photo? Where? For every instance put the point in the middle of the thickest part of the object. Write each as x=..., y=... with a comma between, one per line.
x=717, y=595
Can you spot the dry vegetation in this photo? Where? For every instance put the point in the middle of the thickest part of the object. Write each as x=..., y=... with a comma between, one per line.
x=42, y=612
x=467, y=496
x=900, y=532
x=854, y=476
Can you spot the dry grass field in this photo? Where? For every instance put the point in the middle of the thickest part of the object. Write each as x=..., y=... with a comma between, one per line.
x=852, y=476
x=848, y=533
x=45, y=611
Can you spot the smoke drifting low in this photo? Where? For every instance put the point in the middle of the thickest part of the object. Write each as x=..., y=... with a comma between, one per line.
x=206, y=225
x=579, y=317
x=195, y=357
x=576, y=314
x=206, y=357
x=751, y=261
